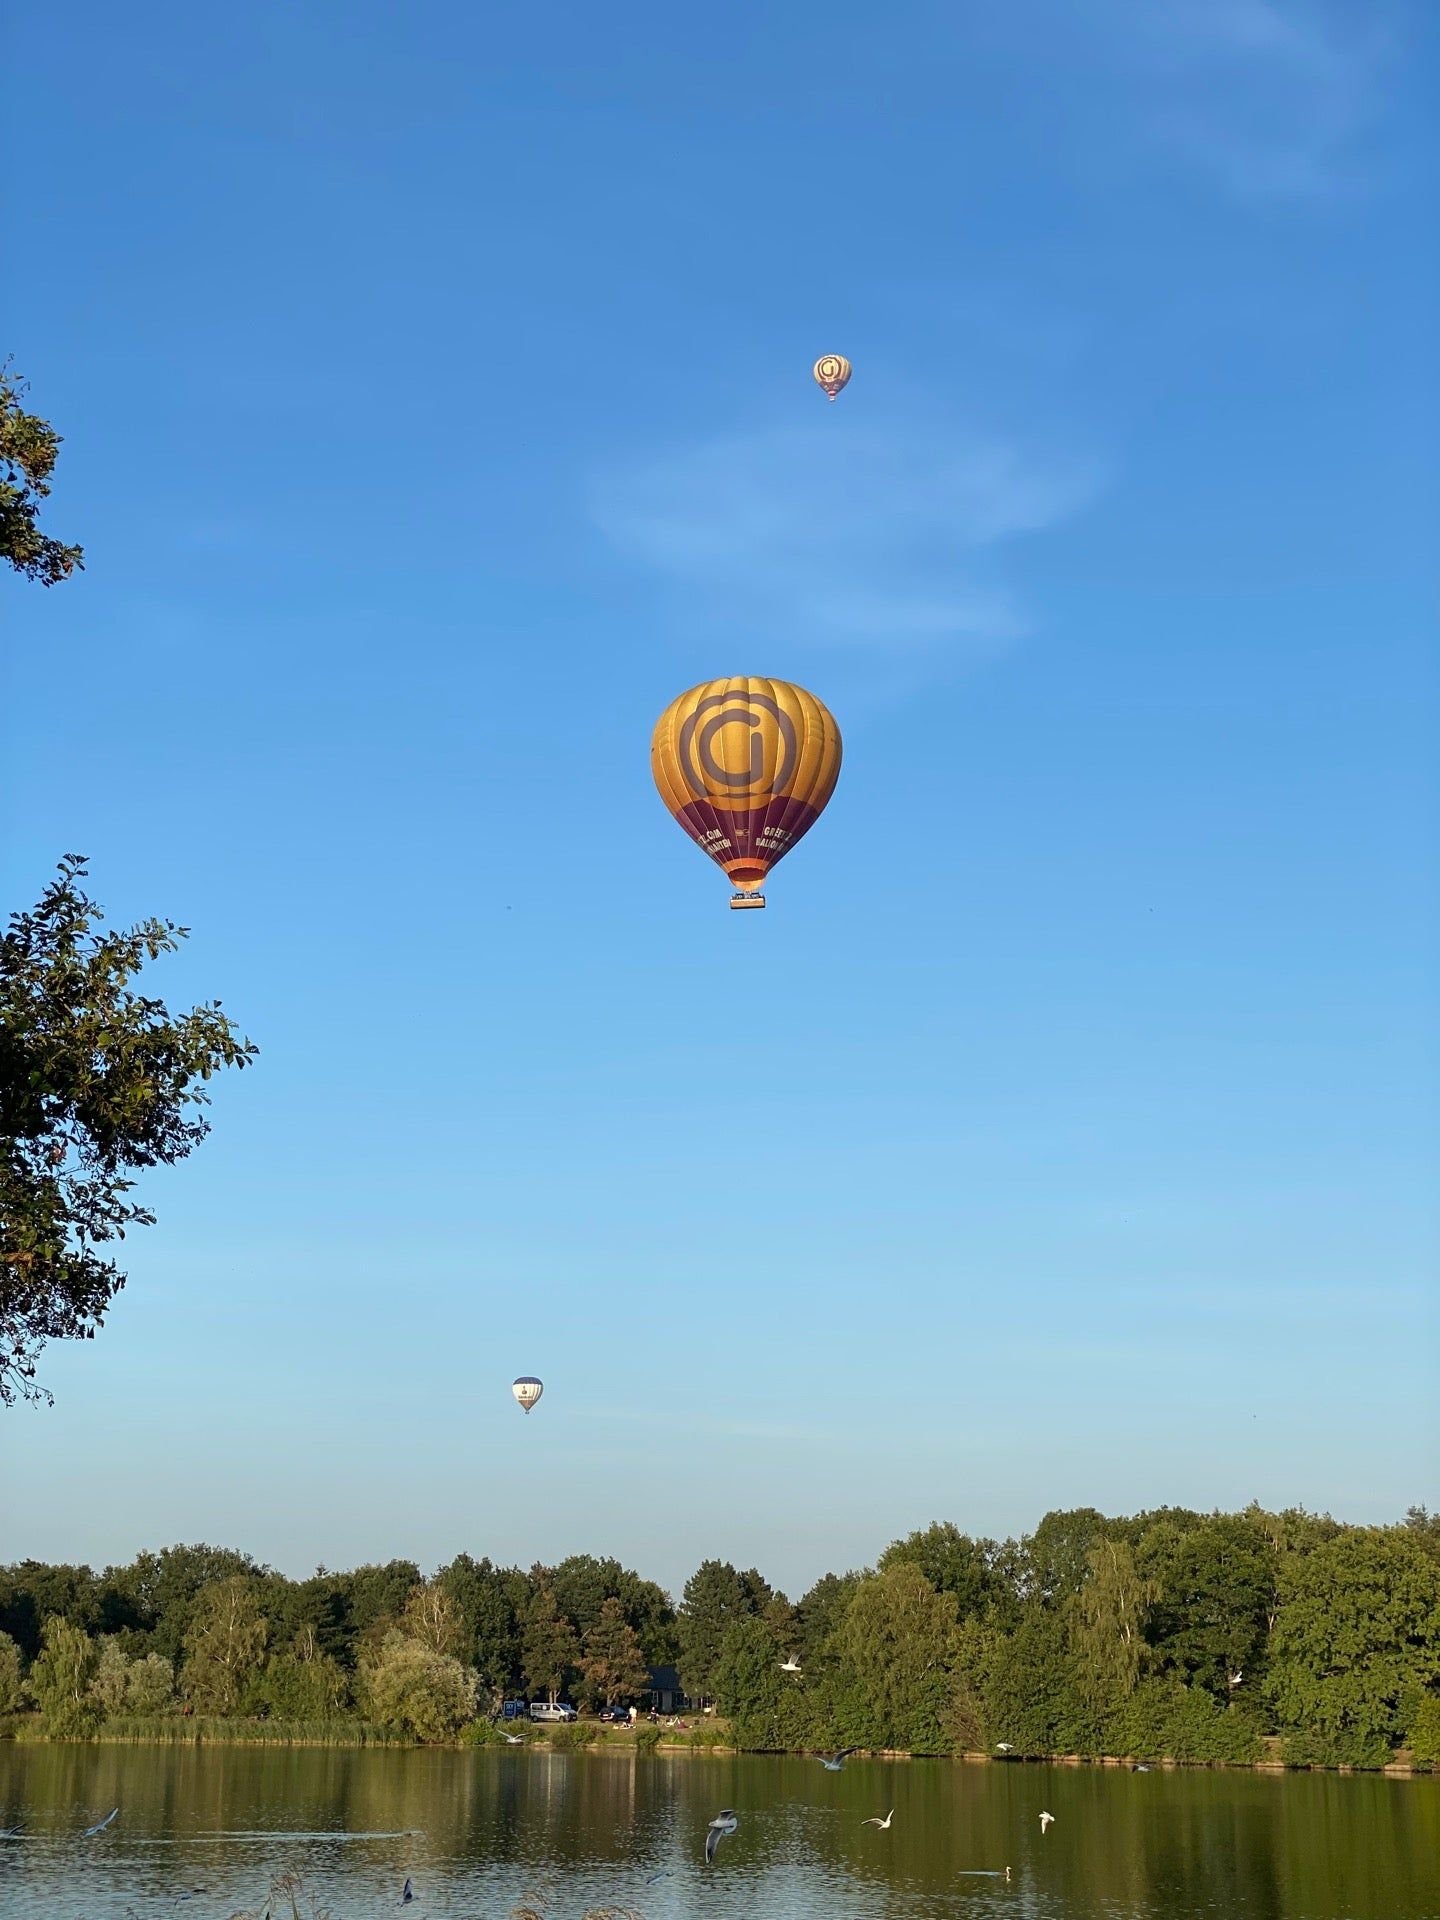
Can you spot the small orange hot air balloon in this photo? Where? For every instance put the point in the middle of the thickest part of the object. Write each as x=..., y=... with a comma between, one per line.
x=832, y=372
x=746, y=767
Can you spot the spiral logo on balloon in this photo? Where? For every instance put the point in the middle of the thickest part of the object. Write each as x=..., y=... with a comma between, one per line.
x=698, y=748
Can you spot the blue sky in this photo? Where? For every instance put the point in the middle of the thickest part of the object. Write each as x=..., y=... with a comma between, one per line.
x=436, y=393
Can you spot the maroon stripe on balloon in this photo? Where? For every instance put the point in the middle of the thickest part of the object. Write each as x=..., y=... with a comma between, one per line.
x=745, y=835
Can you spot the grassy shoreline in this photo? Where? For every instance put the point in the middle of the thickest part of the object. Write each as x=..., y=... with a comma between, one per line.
x=353, y=1735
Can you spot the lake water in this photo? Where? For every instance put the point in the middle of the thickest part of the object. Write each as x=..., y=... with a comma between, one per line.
x=202, y=1834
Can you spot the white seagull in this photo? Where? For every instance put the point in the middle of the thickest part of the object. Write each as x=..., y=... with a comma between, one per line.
x=1235, y=1678
x=792, y=1665
x=1047, y=1820
x=720, y=1828
x=876, y=1821
x=513, y=1739
x=1003, y=1746
x=100, y=1825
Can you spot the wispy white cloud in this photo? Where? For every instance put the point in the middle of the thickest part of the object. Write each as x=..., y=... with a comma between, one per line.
x=1273, y=96
x=846, y=534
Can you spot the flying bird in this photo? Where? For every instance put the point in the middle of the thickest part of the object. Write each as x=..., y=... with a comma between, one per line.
x=513, y=1739
x=1139, y=1767
x=720, y=1828
x=100, y=1825
x=1003, y=1746
x=1047, y=1820
x=792, y=1665
x=12, y=1833
x=833, y=1763
x=876, y=1821
x=1235, y=1678
x=408, y=1895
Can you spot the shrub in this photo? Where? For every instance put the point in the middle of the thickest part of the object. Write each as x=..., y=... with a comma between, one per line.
x=647, y=1739
x=578, y=1733
x=12, y=1687
x=1312, y=1747
x=1423, y=1738
x=412, y=1689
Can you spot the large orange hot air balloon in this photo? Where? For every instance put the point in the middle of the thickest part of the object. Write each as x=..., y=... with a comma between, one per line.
x=832, y=372
x=746, y=766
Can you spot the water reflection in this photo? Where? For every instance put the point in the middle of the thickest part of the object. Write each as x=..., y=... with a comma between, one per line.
x=480, y=1832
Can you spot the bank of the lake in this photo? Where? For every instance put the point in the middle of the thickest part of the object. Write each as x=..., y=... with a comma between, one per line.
x=709, y=1737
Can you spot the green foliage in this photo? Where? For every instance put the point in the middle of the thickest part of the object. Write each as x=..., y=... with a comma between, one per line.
x=1164, y=1719
x=769, y=1711
x=1343, y=1747
x=1032, y=1698
x=1124, y=1648
x=410, y=1688
x=952, y=1562
x=647, y=1739
x=62, y=1678
x=1107, y=1624
x=149, y=1685
x=12, y=1684
x=96, y=1081
x=28, y=449
x=1356, y=1643
x=482, y=1733
x=295, y=1686
x=1422, y=1737
x=224, y=1646
x=611, y=1662
x=1214, y=1581
x=548, y=1646
x=716, y=1594
x=577, y=1734
x=893, y=1648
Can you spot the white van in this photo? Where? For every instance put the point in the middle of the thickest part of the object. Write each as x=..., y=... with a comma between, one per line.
x=543, y=1710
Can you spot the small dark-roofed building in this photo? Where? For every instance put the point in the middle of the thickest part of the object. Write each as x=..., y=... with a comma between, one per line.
x=666, y=1693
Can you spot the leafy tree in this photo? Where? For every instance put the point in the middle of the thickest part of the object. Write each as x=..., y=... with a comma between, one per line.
x=952, y=1562
x=33, y=1592
x=716, y=1594
x=769, y=1711
x=490, y=1601
x=583, y=1584
x=1057, y=1554
x=611, y=1660
x=150, y=1685
x=304, y=1684
x=412, y=1689
x=1164, y=1719
x=96, y=1082
x=28, y=448
x=894, y=1645
x=110, y=1685
x=12, y=1685
x=1108, y=1624
x=225, y=1645
x=1214, y=1582
x=1356, y=1645
x=159, y=1591
x=61, y=1680
x=548, y=1649
x=432, y=1617
x=819, y=1614
x=374, y=1599
x=1031, y=1696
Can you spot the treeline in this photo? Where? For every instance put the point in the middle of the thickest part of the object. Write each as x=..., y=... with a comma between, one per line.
x=1168, y=1635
